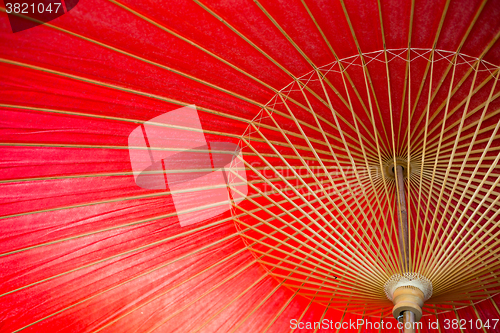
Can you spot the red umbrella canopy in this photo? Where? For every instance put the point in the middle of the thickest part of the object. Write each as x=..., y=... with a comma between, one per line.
x=214, y=166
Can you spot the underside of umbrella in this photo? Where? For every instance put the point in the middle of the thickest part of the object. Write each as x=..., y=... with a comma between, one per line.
x=250, y=166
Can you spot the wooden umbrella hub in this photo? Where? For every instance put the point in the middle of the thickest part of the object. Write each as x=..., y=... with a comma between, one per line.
x=409, y=167
x=408, y=292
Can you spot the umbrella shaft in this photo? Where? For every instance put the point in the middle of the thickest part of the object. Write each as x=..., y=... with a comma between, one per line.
x=408, y=322
x=404, y=246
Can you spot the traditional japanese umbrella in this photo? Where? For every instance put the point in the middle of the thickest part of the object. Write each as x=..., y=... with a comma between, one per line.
x=355, y=146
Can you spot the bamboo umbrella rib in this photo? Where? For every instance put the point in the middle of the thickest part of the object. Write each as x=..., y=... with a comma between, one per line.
x=322, y=317
x=346, y=104
x=184, y=39
x=302, y=86
x=212, y=289
x=495, y=306
x=295, y=173
x=433, y=141
x=246, y=39
x=460, y=104
x=346, y=147
x=327, y=279
x=479, y=240
x=429, y=64
x=116, y=87
x=339, y=166
x=206, y=8
x=134, y=223
x=339, y=303
x=321, y=216
x=426, y=248
x=376, y=142
x=453, y=260
x=320, y=159
x=340, y=255
x=170, y=69
x=478, y=272
x=441, y=221
x=462, y=80
x=451, y=305
x=130, y=251
x=473, y=159
x=482, y=131
x=367, y=78
x=315, y=68
x=280, y=312
x=210, y=319
x=373, y=310
x=461, y=223
x=307, y=278
x=206, y=322
x=80, y=146
x=327, y=272
x=394, y=148
x=458, y=318
x=130, y=173
x=173, y=126
x=345, y=143
x=126, y=225
x=240, y=209
x=364, y=295
x=292, y=330
x=327, y=276
x=200, y=297
x=341, y=67
x=266, y=13
x=160, y=65
x=122, y=283
x=255, y=308
x=457, y=86
x=439, y=176
x=196, y=251
x=459, y=291
x=152, y=195
x=419, y=200
x=276, y=248
x=468, y=197
x=120, y=119
x=288, y=235
x=331, y=149
x=350, y=213
x=474, y=187
x=474, y=195
x=111, y=86
x=467, y=144
x=477, y=314
x=407, y=80
x=104, y=260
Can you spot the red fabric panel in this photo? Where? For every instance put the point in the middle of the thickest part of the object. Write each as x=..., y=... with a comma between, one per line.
x=83, y=248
